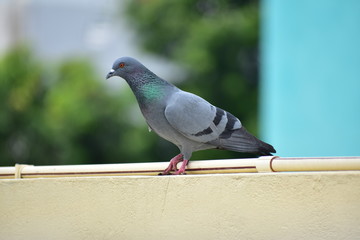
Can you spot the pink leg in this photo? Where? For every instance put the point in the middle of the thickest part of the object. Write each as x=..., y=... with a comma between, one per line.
x=173, y=163
x=182, y=168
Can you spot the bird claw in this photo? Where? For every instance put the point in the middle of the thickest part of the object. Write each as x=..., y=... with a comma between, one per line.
x=172, y=166
x=179, y=173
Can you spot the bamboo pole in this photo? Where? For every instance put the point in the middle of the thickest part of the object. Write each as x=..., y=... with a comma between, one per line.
x=316, y=164
x=247, y=165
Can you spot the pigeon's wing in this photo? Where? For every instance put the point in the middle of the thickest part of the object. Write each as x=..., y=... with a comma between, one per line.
x=197, y=119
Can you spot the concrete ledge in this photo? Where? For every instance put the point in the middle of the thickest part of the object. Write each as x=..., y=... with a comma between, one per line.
x=303, y=205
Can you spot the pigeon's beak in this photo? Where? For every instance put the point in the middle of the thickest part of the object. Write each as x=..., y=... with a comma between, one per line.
x=110, y=74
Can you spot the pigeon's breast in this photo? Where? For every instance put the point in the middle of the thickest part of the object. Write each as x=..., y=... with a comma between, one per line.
x=155, y=118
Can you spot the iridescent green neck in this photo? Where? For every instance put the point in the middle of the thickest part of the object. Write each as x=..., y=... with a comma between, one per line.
x=148, y=87
x=152, y=91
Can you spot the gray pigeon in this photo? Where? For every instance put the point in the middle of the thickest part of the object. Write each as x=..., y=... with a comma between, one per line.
x=185, y=119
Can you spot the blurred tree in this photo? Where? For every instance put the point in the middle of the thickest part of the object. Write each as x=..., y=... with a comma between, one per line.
x=65, y=116
x=215, y=41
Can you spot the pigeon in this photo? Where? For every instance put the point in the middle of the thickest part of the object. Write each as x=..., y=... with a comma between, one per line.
x=183, y=118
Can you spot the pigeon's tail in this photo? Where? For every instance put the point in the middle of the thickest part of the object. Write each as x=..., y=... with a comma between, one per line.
x=240, y=140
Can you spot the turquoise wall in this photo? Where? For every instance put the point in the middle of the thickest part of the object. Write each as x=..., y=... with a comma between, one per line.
x=310, y=92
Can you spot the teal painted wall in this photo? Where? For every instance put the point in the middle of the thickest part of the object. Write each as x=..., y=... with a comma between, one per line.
x=310, y=92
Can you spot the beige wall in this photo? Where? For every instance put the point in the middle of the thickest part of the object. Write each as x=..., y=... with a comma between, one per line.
x=316, y=205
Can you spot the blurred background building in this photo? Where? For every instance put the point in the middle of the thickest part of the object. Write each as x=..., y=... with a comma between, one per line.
x=58, y=109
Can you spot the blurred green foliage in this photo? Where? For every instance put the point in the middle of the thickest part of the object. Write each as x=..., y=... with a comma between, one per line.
x=64, y=114
x=216, y=43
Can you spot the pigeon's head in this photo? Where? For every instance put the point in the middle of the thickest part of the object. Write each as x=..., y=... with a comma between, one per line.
x=124, y=67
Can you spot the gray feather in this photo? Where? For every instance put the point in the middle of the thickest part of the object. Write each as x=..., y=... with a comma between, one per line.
x=240, y=140
x=193, y=117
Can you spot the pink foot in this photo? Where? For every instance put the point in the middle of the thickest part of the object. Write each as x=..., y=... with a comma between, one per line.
x=182, y=168
x=173, y=164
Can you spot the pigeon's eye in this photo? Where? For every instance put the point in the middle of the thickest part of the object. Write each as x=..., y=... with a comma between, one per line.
x=121, y=65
